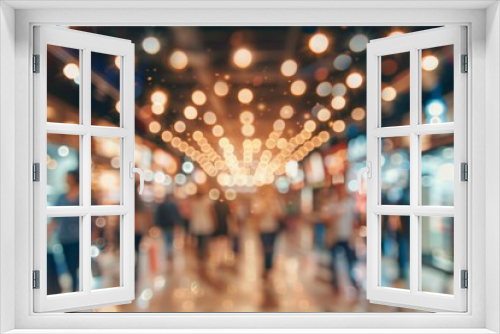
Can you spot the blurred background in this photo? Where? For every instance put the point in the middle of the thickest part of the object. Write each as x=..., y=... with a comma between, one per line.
x=250, y=139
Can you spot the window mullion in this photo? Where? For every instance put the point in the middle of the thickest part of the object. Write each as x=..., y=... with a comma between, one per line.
x=85, y=185
x=415, y=92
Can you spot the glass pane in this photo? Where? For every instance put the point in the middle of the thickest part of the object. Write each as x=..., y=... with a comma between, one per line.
x=105, y=89
x=395, y=252
x=63, y=255
x=395, y=89
x=106, y=171
x=105, y=252
x=63, y=84
x=63, y=175
x=437, y=169
x=437, y=254
x=437, y=85
x=395, y=171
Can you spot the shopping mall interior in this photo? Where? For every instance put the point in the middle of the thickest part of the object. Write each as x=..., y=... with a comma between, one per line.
x=250, y=139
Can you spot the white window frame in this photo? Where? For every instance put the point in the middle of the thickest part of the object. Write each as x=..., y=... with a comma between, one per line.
x=413, y=44
x=483, y=102
x=86, y=44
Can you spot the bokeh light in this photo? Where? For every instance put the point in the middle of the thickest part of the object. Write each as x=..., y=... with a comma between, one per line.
x=430, y=63
x=354, y=80
x=298, y=87
x=242, y=58
x=178, y=60
x=245, y=96
x=199, y=98
x=286, y=112
x=221, y=88
x=289, y=68
x=151, y=45
x=318, y=43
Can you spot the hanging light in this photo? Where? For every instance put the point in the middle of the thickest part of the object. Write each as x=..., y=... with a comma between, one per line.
x=242, y=58
x=221, y=88
x=298, y=87
x=245, y=96
x=318, y=43
x=246, y=117
x=209, y=118
x=178, y=60
x=180, y=126
x=354, y=80
x=151, y=45
x=217, y=131
x=154, y=127
x=198, y=97
x=324, y=115
x=289, y=68
x=159, y=97
x=190, y=112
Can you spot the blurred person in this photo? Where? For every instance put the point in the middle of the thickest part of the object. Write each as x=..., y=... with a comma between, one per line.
x=68, y=228
x=222, y=215
x=167, y=218
x=268, y=210
x=202, y=224
x=143, y=219
x=344, y=223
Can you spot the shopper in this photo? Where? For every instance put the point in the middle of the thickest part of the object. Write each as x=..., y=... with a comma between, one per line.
x=202, y=224
x=68, y=228
x=167, y=218
x=344, y=222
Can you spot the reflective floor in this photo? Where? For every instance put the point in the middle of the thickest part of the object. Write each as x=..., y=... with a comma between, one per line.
x=229, y=282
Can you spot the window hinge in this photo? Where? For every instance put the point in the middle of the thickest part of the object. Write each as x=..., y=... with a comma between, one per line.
x=464, y=279
x=36, y=63
x=36, y=172
x=465, y=64
x=36, y=279
x=464, y=172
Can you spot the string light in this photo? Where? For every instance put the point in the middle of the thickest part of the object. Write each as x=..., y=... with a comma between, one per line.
x=151, y=45
x=430, y=63
x=324, y=89
x=154, y=127
x=199, y=98
x=338, y=126
x=339, y=89
x=310, y=126
x=221, y=88
x=190, y=112
x=358, y=114
x=286, y=112
x=218, y=131
x=289, y=68
x=279, y=125
x=248, y=130
x=180, y=126
x=318, y=43
x=209, y=118
x=324, y=115
x=166, y=136
x=178, y=60
x=389, y=94
x=245, y=96
x=298, y=87
x=242, y=58
x=338, y=102
x=246, y=117
x=71, y=71
x=354, y=80
x=159, y=97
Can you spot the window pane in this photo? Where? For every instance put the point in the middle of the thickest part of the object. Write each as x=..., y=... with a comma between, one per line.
x=105, y=89
x=63, y=176
x=437, y=85
x=395, y=171
x=106, y=171
x=63, y=255
x=437, y=254
x=395, y=252
x=437, y=169
x=63, y=84
x=105, y=252
x=395, y=89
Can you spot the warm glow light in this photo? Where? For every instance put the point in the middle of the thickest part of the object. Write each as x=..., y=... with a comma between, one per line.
x=199, y=98
x=246, y=117
x=117, y=106
x=221, y=88
x=245, y=96
x=338, y=102
x=430, y=63
x=324, y=115
x=180, y=126
x=318, y=43
x=197, y=135
x=159, y=97
x=242, y=58
x=154, y=127
x=151, y=45
x=298, y=87
x=71, y=71
x=310, y=126
x=279, y=125
x=209, y=118
x=354, y=80
x=214, y=194
x=157, y=109
x=178, y=60
x=324, y=89
x=217, y=131
x=248, y=130
x=389, y=94
x=118, y=61
x=190, y=112
x=167, y=136
x=286, y=112
x=338, y=126
x=358, y=114
x=289, y=67
x=230, y=194
x=395, y=33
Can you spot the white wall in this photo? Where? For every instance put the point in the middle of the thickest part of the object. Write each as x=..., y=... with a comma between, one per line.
x=492, y=163
x=7, y=186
